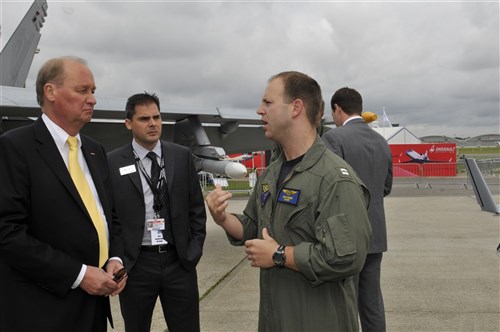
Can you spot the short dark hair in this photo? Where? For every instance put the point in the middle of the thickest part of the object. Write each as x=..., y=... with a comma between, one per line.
x=52, y=71
x=305, y=88
x=349, y=100
x=140, y=99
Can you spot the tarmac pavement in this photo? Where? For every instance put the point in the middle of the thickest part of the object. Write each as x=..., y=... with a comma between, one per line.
x=441, y=272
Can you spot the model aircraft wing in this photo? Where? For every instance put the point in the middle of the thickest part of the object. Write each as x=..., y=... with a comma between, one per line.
x=481, y=190
x=17, y=55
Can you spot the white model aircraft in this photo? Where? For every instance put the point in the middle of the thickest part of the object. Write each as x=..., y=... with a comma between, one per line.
x=210, y=132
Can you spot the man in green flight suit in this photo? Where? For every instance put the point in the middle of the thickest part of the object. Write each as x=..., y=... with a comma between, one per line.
x=306, y=224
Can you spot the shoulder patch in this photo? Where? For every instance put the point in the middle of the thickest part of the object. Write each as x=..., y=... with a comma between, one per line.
x=265, y=194
x=344, y=172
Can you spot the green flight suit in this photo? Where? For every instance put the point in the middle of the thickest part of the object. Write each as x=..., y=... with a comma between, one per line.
x=321, y=210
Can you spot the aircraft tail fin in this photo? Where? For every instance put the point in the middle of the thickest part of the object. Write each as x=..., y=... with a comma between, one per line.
x=481, y=190
x=17, y=55
x=385, y=119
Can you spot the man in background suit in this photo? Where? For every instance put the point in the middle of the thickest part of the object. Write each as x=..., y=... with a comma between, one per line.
x=163, y=217
x=51, y=258
x=370, y=156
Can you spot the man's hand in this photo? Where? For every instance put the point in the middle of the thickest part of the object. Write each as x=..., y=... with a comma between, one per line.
x=97, y=282
x=260, y=252
x=217, y=202
x=112, y=267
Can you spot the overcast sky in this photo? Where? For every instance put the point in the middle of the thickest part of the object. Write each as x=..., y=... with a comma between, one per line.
x=433, y=65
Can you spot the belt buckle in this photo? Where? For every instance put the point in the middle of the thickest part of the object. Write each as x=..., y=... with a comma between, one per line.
x=162, y=248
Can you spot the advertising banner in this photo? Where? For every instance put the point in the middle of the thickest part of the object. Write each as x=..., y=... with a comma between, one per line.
x=436, y=159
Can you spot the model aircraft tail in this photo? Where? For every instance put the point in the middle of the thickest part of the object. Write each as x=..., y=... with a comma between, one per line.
x=17, y=55
x=385, y=119
x=481, y=190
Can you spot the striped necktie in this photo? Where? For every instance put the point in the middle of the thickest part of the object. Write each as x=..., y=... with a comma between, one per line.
x=88, y=199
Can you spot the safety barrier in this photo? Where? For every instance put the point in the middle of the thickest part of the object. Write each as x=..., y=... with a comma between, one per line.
x=424, y=169
x=421, y=175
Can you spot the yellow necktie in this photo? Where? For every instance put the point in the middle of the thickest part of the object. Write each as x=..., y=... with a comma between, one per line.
x=88, y=199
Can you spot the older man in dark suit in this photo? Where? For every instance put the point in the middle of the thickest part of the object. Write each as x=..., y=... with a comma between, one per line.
x=56, y=227
x=369, y=155
x=161, y=208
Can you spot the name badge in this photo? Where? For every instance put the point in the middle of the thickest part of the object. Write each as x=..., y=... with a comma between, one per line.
x=289, y=196
x=127, y=170
x=157, y=224
x=155, y=227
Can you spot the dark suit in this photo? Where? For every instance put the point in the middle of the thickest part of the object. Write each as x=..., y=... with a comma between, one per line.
x=46, y=233
x=370, y=156
x=179, y=296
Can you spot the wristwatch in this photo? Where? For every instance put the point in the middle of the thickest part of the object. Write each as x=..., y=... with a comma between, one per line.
x=279, y=257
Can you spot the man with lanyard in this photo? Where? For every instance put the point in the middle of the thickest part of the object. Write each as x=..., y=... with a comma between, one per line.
x=160, y=204
x=155, y=179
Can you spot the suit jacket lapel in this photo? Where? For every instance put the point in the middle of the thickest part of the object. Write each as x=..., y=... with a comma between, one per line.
x=89, y=153
x=49, y=152
x=169, y=164
x=128, y=158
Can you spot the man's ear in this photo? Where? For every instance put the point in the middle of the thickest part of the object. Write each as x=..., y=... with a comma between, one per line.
x=50, y=91
x=298, y=107
x=128, y=123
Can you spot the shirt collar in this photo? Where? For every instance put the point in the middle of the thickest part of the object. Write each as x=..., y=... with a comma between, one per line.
x=58, y=134
x=142, y=152
x=352, y=118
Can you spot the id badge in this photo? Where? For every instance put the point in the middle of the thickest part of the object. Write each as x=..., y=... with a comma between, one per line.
x=155, y=227
x=157, y=224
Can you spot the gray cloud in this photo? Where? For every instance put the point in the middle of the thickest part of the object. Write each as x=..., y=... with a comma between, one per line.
x=434, y=66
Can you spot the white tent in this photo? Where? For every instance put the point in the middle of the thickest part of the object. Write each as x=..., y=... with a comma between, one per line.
x=398, y=135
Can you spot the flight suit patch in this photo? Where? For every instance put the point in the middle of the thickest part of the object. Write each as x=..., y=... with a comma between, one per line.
x=265, y=194
x=289, y=196
x=344, y=172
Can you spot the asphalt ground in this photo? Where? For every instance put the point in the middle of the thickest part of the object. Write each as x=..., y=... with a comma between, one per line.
x=441, y=272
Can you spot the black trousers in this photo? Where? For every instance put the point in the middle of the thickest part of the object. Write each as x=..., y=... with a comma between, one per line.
x=102, y=311
x=160, y=275
x=370, y=301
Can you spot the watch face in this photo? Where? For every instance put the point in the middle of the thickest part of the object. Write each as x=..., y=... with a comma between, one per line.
x=279, y=257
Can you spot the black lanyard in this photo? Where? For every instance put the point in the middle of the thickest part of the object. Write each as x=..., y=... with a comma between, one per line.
x=157, y=203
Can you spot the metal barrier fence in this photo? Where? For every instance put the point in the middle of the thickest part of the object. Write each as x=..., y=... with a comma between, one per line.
x=424, y=169
x=489, y=166
x=245, y=185
x=421, y=175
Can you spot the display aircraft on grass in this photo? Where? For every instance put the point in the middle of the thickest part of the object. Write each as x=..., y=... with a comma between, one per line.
x=210, y=132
